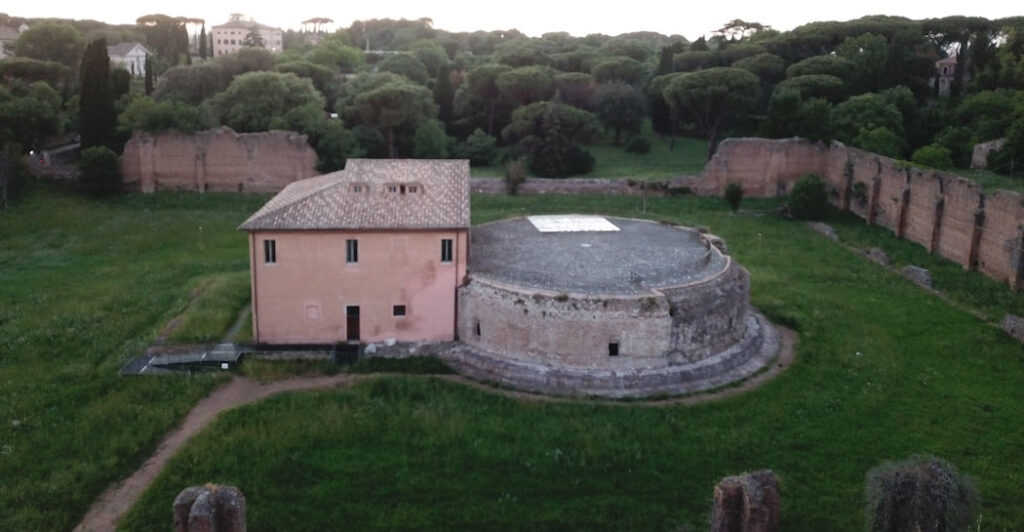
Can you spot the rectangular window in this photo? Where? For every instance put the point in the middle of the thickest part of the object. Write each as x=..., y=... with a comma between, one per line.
x=413, y=189
x=398, y=310
x=476, y=328
x=613, y=349
x=269, y=251
x=352, y=250
x=392, y=189
x=446, y=250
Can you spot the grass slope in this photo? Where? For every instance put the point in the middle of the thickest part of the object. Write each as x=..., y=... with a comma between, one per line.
x=84, y=286
x=884, y=370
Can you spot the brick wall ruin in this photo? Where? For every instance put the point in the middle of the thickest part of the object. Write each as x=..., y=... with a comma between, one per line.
x=947, y=214
x=217, y=160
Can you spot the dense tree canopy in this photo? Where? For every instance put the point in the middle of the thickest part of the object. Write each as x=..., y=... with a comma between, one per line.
x=52, y=41
x=711, y=97
x=254, y=100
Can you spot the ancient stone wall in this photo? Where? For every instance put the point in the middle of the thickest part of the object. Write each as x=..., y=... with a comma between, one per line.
x=217, y=160
x=999, y=248
x=949, y=215
x=979, y=157
x=676, y=325
x=763, y=168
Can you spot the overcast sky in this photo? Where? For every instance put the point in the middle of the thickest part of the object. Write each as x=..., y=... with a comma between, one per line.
x=533, y=17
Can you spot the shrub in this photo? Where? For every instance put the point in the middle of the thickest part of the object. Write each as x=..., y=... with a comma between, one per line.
x=429, y=141
x=638, y=145
x=14, y=175
x=733, y=195
x=933, y=156
x=515, y=175
x=808, y=200
x=921, y=493
x=100, y=171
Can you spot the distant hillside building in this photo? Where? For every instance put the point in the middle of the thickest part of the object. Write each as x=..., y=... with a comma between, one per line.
x=945, y=71
x=229, y=38
x=131, y=56
x=8, y=38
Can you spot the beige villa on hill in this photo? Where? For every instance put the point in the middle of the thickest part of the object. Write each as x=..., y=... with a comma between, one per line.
x=371, y=253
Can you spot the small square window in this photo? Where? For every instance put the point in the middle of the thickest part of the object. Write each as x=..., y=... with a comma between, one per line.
x=351, y=250
x=358, y=189
x=269, y=251
x=413, y=189
x=392, y=189
x=398, y=310
x=613, y=349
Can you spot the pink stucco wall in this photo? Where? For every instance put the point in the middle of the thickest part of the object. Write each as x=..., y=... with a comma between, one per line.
x=302, y=297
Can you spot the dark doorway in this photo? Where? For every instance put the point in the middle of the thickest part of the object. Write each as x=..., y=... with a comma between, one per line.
x=352, y=323
x=613, y=349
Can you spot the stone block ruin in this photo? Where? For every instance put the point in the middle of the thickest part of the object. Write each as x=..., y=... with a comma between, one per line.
x=747, y=503
x=210, y=508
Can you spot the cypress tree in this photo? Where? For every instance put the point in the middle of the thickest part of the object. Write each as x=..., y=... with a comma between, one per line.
x=202, y=42
x=443, y=96
x=96, y=98
x=149, y=75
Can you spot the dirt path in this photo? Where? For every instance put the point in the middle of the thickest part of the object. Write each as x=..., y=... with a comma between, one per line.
x=115, y=502
x=107, y=511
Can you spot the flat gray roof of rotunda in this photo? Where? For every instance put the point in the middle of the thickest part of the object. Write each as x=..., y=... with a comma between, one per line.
x=640, y=256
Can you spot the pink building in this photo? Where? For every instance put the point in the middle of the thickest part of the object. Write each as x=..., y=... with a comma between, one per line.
x=371, y=253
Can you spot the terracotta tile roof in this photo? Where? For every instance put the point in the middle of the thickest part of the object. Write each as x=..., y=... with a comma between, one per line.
x=373, y=194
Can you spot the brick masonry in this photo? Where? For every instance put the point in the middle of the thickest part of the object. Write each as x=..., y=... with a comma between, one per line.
x=947, y=214
x=218, y=160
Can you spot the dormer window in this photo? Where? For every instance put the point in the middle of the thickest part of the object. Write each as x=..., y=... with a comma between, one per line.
x=414, y=189
x=392, y=189
x=359, y=188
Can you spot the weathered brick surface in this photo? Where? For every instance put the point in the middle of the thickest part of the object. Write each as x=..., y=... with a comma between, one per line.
x=962, y=201
x=925, y=194
x=210, y=508
x=217, y=160
x=763, y=168
x=947, y=214
x=747, y=503
x=999, y=248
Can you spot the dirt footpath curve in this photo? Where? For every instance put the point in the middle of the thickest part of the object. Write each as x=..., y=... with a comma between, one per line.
x=108, y=510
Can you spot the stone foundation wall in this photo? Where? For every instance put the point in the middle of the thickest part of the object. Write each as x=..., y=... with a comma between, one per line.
x=678, y=325
x=217, y=160
x=949, y=215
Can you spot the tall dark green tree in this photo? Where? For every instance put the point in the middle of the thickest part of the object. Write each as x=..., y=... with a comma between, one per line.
x=444, y=96
x=149, y=75
x=202, y=42
x=96, y=98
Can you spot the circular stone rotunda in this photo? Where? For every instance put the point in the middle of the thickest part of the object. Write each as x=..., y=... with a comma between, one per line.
x=612, y=307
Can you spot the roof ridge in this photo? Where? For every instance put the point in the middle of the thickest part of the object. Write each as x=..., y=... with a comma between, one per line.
x=271, y=207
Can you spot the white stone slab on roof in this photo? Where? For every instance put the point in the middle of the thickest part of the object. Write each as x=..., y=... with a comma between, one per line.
x=373, y=194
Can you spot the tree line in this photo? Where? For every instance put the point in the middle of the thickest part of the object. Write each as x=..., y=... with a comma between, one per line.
x=401, y=88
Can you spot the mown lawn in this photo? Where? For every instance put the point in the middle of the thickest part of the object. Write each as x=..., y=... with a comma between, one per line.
x=884, y=370
x=84, y=286
x=665, y=160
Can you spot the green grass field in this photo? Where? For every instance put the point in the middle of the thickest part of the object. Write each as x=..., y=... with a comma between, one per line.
x=686, y=157
x=884, y=370
x=84, y=286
